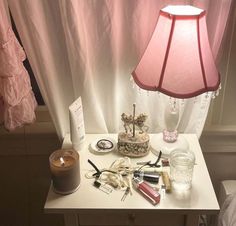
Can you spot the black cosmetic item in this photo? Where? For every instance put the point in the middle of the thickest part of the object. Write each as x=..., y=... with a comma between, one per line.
x=152, y=177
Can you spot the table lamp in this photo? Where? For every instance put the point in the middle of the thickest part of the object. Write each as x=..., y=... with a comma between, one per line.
x=178, y=61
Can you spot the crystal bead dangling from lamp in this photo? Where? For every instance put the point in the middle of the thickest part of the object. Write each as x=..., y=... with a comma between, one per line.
x=216, y=93
x=139, y=91
x=132, y=82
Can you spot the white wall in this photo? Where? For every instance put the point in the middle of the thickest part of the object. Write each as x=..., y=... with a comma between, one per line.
x=218, y=140
x=223, y=109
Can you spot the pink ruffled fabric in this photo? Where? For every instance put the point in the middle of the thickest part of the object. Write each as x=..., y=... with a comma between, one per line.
x=17, y=101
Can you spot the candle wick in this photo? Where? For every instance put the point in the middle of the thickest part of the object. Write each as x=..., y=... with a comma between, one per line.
x=62, y=161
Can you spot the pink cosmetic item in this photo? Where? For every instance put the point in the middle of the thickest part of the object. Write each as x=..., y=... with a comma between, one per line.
x=150, y=193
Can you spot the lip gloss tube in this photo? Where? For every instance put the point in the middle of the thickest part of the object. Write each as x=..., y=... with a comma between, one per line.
x=147, y=191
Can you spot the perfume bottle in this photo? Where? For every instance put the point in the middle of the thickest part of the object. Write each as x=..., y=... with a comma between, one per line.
x=150, y=193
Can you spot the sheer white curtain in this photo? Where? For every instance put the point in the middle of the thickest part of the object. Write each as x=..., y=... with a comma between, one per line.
x=88, y=48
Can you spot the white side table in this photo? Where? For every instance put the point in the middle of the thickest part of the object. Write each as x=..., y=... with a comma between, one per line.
x=175, y=209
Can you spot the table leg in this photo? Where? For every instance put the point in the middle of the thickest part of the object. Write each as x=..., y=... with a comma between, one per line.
x=191, y=220
x=71, y=219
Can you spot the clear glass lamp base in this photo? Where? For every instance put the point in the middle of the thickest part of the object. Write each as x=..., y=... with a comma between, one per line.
x=159, y=144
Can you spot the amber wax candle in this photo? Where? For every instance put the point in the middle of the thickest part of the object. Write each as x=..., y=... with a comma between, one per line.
x=65, y=170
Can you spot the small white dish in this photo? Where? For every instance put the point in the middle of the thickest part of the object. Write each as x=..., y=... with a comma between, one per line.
x=107, y=141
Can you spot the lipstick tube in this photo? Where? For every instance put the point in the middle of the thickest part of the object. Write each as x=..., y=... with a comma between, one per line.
x=151, y=194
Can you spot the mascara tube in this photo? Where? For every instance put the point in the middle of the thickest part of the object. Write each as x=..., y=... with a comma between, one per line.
x=152, y=177
x=151, y=194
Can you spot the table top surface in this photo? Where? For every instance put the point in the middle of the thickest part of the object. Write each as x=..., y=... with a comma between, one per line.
x=200, y=198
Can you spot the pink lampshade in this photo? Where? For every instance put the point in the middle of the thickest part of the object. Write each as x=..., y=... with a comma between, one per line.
x=178, y=60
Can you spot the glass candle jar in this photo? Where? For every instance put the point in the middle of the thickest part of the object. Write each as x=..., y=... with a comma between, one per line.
x=181, y=169
x=65, y=170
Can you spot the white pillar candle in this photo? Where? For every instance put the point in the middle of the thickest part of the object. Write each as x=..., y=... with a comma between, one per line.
x=65, y=170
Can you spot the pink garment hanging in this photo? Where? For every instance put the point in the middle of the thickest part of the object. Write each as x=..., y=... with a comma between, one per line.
x=17, y=101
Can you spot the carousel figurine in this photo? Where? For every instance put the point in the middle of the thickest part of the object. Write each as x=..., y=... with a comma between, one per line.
x=134, y=142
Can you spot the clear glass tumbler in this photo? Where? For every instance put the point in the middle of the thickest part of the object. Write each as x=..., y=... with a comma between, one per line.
x=181, y=169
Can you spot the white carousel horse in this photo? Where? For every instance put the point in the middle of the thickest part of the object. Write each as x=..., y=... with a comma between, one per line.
x=138, y=121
